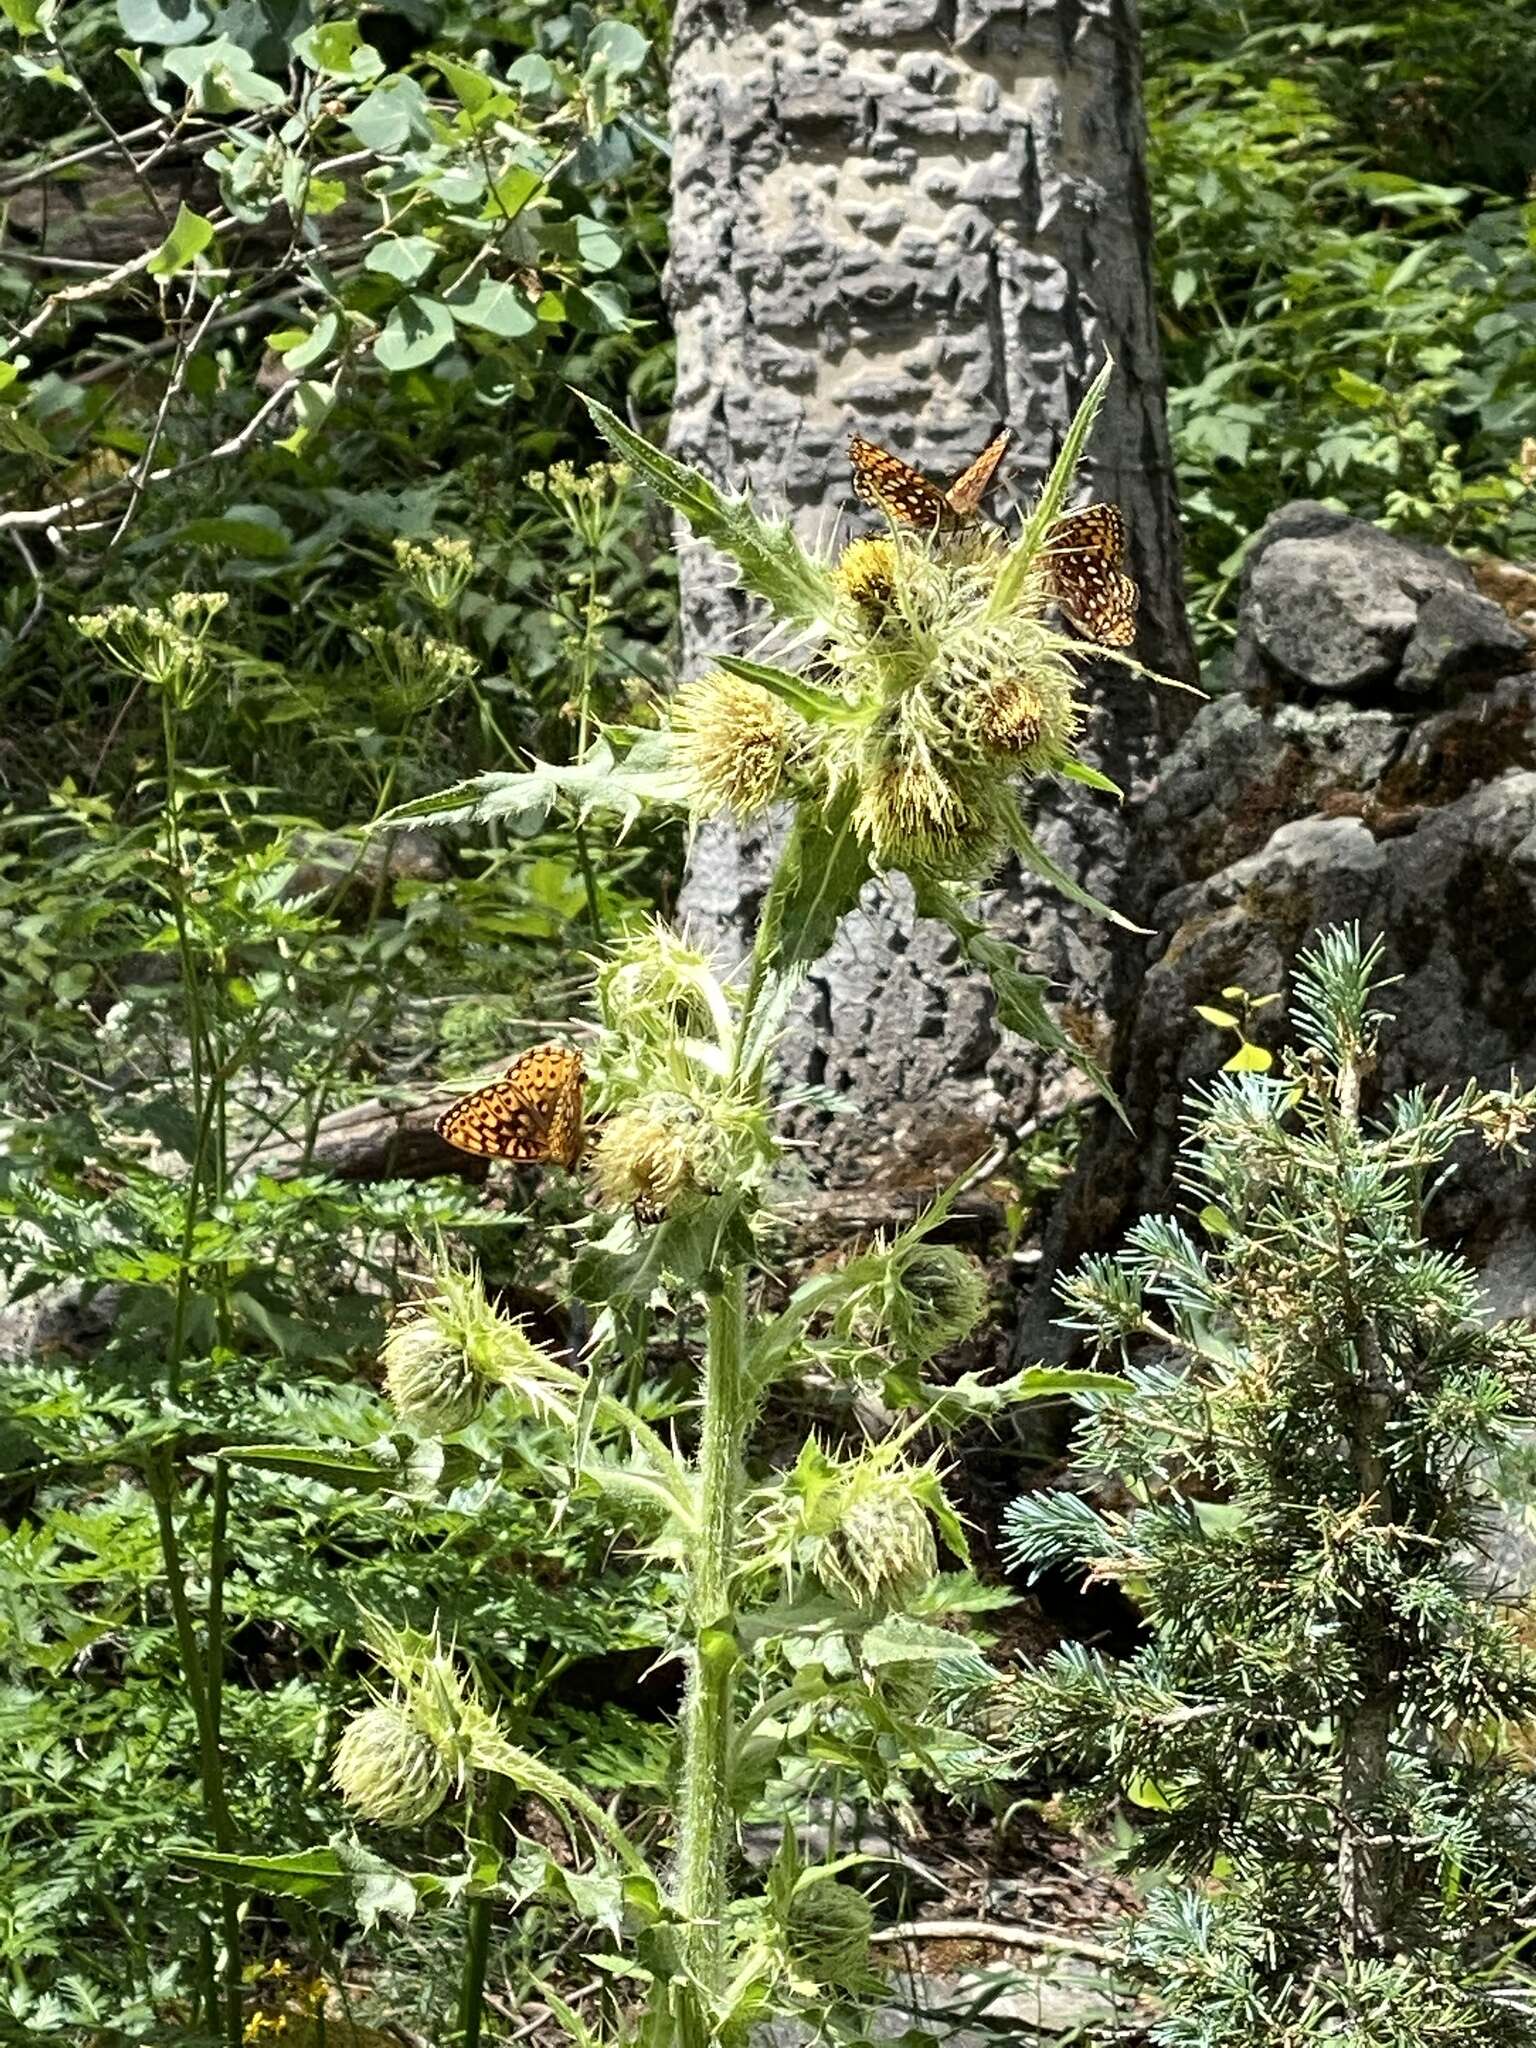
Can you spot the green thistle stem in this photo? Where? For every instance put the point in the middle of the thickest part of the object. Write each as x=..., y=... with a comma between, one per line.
x=707, y=1815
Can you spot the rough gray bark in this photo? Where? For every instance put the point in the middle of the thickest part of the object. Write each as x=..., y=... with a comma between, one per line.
x=918, y=217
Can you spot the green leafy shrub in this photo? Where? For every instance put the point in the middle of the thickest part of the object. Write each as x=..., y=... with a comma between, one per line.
x=1345, y=269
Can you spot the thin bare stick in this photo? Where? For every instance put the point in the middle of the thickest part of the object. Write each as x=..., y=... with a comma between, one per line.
x=99, y=287
x=39, y=595
x=1004, y=1933
x=139, y=475
x=20, y=181
x=55, y=515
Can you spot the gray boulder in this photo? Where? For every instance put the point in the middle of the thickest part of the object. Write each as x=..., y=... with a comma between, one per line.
x=1334, y=605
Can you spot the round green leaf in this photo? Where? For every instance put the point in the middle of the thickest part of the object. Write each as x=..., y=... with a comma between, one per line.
x=621, y=49
x=166, y=22
x=416, y=332
x=404, y=257
x=189, y=237
x=495, y=307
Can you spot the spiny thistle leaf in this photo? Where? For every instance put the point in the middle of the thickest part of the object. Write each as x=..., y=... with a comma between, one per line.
x=1021, y=1005
x=602, y=782
x=1009, y=587
x=1034, y=856
x=771, y=560
x=817, y=882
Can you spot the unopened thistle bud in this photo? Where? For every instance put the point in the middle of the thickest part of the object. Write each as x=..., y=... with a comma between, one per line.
x=736, y=741
x=650, y=1159
x=882, y=1551
x=867, y=571
x=827, y=1931
x=447, y=1349
x=654, y=987
x=389, y=1770
x=930, y=1298
x=428, y=1375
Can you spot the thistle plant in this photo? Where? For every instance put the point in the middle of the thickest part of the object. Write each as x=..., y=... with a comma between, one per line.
x=1321, y=1732
x=813, y=1621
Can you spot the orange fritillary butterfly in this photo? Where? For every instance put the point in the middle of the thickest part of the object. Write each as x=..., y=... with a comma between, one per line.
x=532, y=1114
x=1085, y=566
x=900, y=490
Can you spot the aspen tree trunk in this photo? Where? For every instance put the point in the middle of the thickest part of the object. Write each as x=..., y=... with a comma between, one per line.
x=917, y=218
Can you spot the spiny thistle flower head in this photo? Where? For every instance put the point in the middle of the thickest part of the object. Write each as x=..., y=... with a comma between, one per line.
x=655, y=988
x=447, y=1348
x=867, y=571
x=737, y=744
x=919, y=809
x=827, y=1929
x=398, y=1760
x=955, y=698
x=164, y=645
x=427, y=1374
x=389, y=1770
x=881, y=1550
x=918, y=1300
x=654, y=1157
x=437, y=572
x=864, y=1527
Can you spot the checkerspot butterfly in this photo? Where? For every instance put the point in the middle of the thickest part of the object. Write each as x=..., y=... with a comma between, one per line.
x=894, y=486
x=1085, y=570
x=532, y=1114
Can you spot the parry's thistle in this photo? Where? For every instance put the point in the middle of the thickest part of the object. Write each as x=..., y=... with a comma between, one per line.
x=882, y=1551
x=427, y=1373
x=389, y=1770
x=827, y=1929
x=653, y=1157
x=449, y=1347
x=737, y=743
x=654, y=990
x=867, y=571
x=921, y=1299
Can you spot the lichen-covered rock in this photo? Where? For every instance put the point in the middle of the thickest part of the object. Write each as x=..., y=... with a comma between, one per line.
x=1335, y=605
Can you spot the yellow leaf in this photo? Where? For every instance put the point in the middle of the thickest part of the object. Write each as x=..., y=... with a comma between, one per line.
x=1249, y=1059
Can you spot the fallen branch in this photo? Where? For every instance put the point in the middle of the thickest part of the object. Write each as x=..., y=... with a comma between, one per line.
x=1004, y=1933
x=55, y=515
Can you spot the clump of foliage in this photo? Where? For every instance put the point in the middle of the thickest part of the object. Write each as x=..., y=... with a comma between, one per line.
x=817, y=1637
x=298, y=512
x=1345, y=268
x=1320, y=1729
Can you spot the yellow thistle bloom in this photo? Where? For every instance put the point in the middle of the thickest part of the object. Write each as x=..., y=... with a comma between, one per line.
x=867, y=571
x=649, y=1160
x=736, y=742
x=1010, y=715
x=915, y=814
